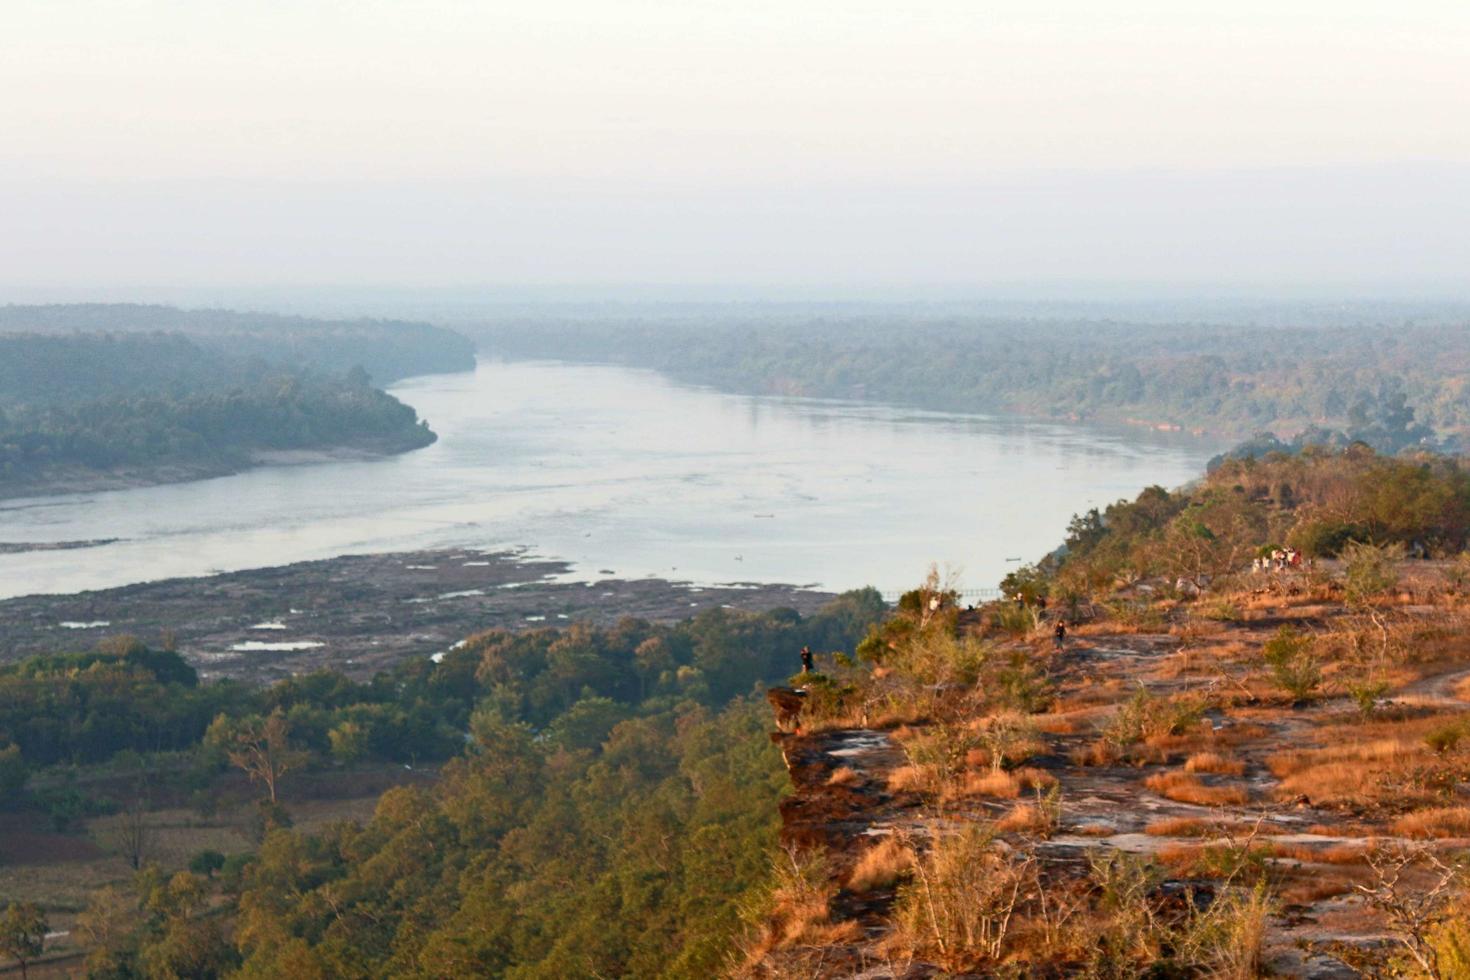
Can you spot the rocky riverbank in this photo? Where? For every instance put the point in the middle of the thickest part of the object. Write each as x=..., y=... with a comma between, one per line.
x=357, y=613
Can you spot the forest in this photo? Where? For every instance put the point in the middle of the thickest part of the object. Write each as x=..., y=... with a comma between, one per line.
x=388, y=350
x=150, y=392
x=605, y=801
x=1223, y=381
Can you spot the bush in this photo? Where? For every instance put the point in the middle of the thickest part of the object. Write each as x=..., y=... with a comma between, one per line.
x=1324, y=538
x=1370, y=570
x=959, y=908
x=1293, y=665
x=206, y=863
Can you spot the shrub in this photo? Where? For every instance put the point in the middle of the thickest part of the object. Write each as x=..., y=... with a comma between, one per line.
x=958, y=909
x=1446, y=737
x=1021, y=685
x=1366, y=694
x=1370, y=570
x=1145, y=715
x=206, y=863
x=1293, y=664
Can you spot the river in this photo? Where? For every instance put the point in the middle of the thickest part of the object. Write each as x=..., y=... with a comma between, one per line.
x=623, y=472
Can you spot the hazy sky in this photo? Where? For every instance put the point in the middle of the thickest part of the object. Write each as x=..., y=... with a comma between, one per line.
x=438, y=142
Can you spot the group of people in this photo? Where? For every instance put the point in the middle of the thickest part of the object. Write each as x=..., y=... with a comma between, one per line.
x=1279, y=560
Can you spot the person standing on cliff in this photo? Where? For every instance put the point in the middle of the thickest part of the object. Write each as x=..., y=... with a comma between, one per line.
x=1059, y=636
x=806, y=660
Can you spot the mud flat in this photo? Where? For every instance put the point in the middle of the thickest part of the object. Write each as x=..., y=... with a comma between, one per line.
x=357, y=613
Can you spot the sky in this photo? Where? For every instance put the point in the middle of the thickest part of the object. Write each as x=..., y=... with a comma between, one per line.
x=441, y=143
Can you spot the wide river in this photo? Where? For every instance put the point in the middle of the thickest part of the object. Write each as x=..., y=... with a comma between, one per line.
x=624, y=472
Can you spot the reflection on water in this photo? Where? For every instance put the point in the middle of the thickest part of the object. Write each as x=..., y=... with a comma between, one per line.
x=619, y=469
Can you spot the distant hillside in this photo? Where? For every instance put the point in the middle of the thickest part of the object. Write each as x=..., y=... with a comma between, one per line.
x=388, y=350
x=94, y=397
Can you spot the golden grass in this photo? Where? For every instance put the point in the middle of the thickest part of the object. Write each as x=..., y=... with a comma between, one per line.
x=1391, y=751
x=1058, y=724
x=1214, y=762
x=881, y=865
x=1184, y=787
x=1335, y=854
x=912, y=779
x=1002, y=784
x=1023, y=818
x=1180, y=827
x=844, y=776
x=1094, y=830
x=1445, y=821
x=1006, y=785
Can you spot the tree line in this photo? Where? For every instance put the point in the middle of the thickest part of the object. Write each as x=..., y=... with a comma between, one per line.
x=1228, y=382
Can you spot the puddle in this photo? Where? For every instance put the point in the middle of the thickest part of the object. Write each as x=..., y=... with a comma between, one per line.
x=71, y=624
x=258, y=646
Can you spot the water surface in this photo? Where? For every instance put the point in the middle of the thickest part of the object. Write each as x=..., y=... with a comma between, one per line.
x=622, y=471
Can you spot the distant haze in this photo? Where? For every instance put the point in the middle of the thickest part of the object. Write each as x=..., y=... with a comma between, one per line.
x=854, y=146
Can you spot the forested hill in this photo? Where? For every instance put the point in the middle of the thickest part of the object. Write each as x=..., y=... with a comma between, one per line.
x=93, y=397
x=388, y=350
x=1227, y=382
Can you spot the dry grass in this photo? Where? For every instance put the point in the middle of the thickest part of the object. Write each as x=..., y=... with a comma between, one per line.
x=1314, y=890
x=1094, y=830
x=1180, y=827
x=1002, y=784
x=1214, y=762
x=1061, y=724
x=1349, y=772
x=1006, y=785
x=881, y=865
x=844, y=776
x=1447, y=821
x=1335, y=854
x=1024, y=818
x=913, y=779
x=1183, y=787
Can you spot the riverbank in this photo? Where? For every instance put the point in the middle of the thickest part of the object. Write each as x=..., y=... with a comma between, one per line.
x=70, y=478
x=359, y=613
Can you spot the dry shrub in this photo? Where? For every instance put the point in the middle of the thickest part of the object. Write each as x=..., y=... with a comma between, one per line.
x=958, y=910
x=1183, y=787
x=1214, y=762
x=844, y=776
x=881, y=865
x=800, y=903
x=1448, y=821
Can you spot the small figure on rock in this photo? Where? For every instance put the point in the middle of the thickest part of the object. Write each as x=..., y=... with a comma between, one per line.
x=806, y=660
x=1059, y=635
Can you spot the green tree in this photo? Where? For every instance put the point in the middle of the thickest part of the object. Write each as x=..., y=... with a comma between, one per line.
x=23, y=931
